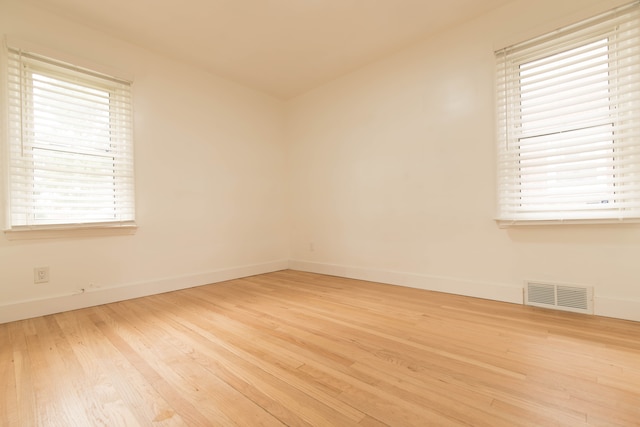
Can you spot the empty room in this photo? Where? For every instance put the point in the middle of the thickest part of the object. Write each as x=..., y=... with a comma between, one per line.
x=320, y=213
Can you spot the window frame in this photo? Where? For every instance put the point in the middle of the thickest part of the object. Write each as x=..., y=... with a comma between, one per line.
x=510, y=118
x=69, y=71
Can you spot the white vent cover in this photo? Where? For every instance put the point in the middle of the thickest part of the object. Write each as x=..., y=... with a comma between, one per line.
x=578, y=299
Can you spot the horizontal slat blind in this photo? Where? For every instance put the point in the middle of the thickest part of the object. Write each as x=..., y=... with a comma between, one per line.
x=70, y=145
x=568, y=109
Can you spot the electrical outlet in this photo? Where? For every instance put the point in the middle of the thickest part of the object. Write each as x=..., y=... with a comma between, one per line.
x=41, y=275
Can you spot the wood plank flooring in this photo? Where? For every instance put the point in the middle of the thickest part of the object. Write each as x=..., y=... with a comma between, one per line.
x=301, y=349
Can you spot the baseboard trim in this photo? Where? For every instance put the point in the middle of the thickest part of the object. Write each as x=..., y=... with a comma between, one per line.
x=451, y=285
x=607, y=307
x=91, y=297
x=617, y=308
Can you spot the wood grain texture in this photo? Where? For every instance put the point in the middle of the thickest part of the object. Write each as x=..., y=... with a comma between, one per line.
x=301, y=349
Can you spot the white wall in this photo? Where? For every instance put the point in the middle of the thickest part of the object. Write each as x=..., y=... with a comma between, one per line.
x=393, y=175
x=210, y=182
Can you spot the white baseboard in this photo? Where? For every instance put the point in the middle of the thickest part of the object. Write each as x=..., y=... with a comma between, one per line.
x=618, y=308
x=97, y=296
x=608, y=307
x=451, y=285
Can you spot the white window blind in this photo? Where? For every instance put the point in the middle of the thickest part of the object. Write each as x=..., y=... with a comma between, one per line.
x=70, y=145
x=568, y=110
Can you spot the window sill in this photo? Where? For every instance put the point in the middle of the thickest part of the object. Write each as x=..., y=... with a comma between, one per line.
x=71, y=231
x=514, y=223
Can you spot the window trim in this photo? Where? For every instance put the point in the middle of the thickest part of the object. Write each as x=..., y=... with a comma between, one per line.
x=71, y=229
x=509, y=217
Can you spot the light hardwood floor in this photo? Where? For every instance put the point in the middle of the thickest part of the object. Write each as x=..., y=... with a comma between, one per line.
x=292, y=348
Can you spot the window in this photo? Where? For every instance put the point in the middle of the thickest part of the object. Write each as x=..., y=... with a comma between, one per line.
x=70, y=146
x=569, y=123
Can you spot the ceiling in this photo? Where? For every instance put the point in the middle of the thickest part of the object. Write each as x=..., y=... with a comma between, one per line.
x=282, y=47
